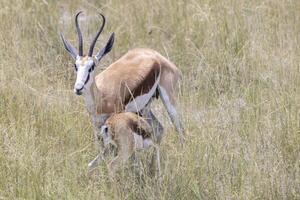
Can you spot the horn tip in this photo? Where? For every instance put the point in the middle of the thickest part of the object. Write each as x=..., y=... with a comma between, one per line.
x=103, y=17
x=78, y=13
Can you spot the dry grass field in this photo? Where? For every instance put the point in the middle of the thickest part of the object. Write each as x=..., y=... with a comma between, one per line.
x=239, y=99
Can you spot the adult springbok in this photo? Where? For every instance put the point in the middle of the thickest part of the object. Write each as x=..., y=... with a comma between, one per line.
x=127, y=79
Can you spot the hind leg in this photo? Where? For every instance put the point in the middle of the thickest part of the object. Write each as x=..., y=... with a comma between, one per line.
x=172, y=112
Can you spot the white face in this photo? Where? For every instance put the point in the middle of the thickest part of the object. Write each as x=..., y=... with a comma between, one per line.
x=85, y=70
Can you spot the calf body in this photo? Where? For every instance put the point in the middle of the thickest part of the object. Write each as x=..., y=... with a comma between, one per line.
x=127, y=132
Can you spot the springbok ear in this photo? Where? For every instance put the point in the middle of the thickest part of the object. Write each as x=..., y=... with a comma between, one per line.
x=140, y=102
x=107, y=47
x=72, y=51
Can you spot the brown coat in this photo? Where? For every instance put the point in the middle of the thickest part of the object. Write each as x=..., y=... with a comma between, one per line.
x=123, y=129
x=134, y=74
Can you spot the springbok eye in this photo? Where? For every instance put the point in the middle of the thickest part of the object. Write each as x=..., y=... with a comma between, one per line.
x=92, y=68
x=75, y=67
x=105, y=129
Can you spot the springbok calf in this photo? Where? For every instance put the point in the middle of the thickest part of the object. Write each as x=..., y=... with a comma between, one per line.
x=123, y=81
x=127, y=132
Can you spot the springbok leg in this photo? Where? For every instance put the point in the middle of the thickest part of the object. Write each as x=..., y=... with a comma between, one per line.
x=155, y=162
x=157, y=127
x=171, y=112
x=124, y=152
x=158, y=131
x=98, y=159
x=95, y=162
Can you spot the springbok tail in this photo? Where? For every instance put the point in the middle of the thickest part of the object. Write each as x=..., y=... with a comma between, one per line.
x=171, y=112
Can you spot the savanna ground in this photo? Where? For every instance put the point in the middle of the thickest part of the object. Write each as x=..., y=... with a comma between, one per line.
x=239, y=98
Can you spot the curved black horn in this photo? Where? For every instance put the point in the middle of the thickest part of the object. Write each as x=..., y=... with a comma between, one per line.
x=96, y=37
x=80, y=48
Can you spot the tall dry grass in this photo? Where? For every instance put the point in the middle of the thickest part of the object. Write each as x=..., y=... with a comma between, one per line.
x=239, y=99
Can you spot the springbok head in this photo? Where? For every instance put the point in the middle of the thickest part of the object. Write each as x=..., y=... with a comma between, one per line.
x=85, y=65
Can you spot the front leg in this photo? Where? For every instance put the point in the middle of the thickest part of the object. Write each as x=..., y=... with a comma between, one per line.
x=99, y=158
x=106, y=144
x=94, y=163
x=99, y=146
x=122, y=157
x=125, y=148
x=98, y=122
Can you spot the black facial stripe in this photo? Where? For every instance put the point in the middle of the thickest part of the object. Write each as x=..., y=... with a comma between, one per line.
x=92, y=68
x=75, y=67
x=87, y=79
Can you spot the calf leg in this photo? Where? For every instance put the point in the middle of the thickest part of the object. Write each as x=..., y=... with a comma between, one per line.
x=116, y=162
x=125, y=144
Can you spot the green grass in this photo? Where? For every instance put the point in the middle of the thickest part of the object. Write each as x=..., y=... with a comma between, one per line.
x=239, y=99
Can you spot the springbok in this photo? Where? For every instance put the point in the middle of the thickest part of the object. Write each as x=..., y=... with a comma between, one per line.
x=126, y=132
x=128, y=78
